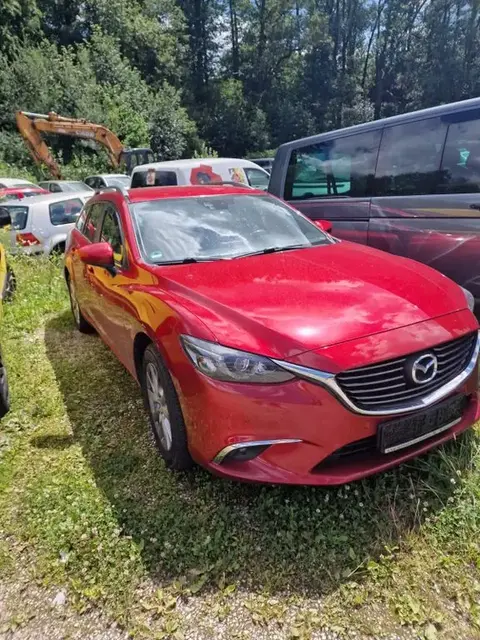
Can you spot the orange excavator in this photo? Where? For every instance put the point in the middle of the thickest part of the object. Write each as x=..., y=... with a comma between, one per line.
x=32, y=125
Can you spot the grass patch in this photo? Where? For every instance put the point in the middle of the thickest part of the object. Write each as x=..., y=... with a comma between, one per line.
x=82, y=486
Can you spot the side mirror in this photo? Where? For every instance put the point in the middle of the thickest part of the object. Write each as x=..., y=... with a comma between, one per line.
x=323, y=225
x=99, y=254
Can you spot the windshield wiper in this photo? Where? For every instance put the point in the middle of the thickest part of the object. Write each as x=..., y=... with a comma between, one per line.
x=187, y=261
x=287, y=247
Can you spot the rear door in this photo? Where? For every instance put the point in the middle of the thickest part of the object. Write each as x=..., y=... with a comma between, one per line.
x=110, y=305
x=427, y=202
x=332, y=180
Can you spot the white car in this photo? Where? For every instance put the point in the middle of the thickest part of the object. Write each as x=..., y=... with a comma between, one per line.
x=108, y=180
x=41, y=224
x=199, y=171
x=8, y=183
x=63, y=186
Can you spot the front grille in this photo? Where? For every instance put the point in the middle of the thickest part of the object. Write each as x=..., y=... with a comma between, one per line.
x=385, y=385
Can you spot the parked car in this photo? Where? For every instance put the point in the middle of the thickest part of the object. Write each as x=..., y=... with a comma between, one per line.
x=265, y=163
x=64, y=186
x=409, y=185
x=266, y=350
x=6, y=183
x=199, y=171
x=108, y=180
x=41, y=224
x=18, y=193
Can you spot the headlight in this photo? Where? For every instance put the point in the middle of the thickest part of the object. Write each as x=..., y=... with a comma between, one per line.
x=230, y=365
x=470, y=299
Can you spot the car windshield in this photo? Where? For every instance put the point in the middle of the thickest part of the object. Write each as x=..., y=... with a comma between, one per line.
x=18, y=215
x=219, y=227
x=120, y=181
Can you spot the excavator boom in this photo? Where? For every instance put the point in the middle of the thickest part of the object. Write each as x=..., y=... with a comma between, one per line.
x=32, y=125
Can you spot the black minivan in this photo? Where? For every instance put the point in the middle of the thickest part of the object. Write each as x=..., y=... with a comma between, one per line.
x=409, y=185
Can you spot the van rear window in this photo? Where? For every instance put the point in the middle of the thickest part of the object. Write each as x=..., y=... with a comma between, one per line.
x=18, y=215
x=153, y=178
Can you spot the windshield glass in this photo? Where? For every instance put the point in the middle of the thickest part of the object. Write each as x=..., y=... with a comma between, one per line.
x=75, y=186
x=120, y=181
x=18, y=216
x=223, y=226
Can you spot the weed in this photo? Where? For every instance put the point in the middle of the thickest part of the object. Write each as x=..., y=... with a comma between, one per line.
x=82, y=487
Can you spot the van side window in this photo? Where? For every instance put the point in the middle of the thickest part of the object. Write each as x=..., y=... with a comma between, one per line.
x=409, y=158
x=152, y=178
x=461, y=159
x=338, y=167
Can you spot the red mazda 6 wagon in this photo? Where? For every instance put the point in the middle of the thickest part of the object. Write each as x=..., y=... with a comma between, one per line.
x=267, y=350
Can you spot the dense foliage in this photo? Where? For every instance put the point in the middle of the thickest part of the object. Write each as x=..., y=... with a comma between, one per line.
x=240, y=76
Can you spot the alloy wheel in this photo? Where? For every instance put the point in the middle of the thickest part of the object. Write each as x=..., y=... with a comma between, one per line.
x=158, y=407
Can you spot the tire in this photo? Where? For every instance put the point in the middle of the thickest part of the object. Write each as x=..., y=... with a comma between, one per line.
x=82, y=325
x=9, y=286
x=4, y=391
x=163, y=407
x=57, y=251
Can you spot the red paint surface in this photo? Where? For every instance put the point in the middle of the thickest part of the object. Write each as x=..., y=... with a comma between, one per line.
x=331, y=307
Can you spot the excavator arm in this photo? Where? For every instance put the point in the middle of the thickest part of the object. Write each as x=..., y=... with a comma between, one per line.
x=32, y=125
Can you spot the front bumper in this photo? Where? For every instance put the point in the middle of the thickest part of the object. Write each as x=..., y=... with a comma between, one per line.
x=311, y=420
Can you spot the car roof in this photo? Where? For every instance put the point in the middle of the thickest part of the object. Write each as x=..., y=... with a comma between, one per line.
x=50, y=198
x=195, y=162
x=108, y=175
x=60, y=181
x=143, y=194
x=15, y=182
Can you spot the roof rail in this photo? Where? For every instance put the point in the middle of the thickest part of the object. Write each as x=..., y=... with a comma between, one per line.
x=115, y=187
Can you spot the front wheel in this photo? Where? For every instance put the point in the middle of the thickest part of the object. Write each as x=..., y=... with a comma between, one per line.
x=82, y=325
x=166, y=419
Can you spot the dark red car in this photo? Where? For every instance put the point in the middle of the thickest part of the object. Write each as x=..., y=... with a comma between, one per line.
x=267, y=350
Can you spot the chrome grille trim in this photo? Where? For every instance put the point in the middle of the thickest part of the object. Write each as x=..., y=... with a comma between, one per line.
x=429, y=394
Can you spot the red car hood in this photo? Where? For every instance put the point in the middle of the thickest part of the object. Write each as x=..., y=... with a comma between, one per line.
x=287, y=303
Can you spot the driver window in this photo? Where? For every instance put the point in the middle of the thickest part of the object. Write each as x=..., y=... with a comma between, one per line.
x=112, y=234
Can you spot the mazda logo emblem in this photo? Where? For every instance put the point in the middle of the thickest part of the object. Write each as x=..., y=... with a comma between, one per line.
x=424, y=368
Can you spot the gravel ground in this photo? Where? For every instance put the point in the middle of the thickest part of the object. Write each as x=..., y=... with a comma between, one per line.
x=30, y=612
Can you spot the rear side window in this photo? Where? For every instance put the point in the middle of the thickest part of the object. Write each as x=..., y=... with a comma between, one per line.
x=112, y=234
x=409, y=158
x=93, y=221
x=18, y=216
x=154, y=178
x=338, y=167
x=460, y=171
x=65, y=212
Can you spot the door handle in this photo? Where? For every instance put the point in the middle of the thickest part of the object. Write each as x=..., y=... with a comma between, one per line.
x=475, y=206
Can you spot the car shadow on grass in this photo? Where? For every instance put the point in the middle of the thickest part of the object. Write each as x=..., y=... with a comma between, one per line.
x=307, y=538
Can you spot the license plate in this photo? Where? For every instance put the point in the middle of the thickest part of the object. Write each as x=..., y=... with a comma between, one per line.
x=405, y=432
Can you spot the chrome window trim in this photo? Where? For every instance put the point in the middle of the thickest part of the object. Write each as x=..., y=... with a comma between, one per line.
x=328, y=381
x=221, y=455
